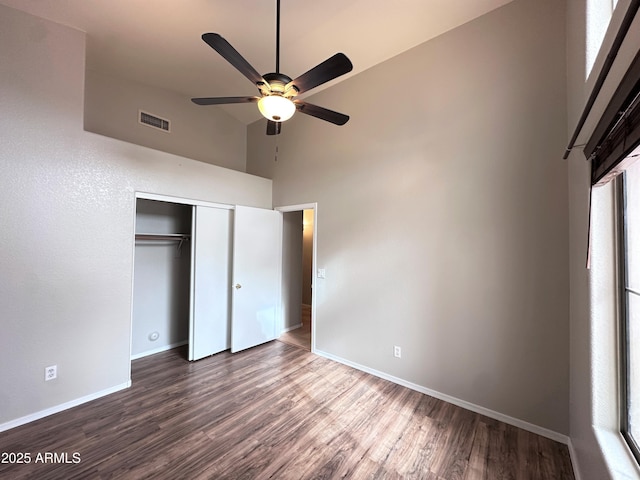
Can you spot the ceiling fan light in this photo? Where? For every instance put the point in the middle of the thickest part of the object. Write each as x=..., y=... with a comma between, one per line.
x=276, y=108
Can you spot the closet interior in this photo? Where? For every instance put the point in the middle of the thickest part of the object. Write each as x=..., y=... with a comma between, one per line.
x=162, y=273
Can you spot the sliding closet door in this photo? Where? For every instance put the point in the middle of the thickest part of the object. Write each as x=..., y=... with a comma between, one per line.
x=210, y=281
x=257, y=263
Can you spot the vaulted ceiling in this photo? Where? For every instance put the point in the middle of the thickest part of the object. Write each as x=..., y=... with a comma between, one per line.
x=157, y=42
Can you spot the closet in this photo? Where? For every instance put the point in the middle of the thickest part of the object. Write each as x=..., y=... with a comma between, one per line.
x=206, y=275
x=162, y=269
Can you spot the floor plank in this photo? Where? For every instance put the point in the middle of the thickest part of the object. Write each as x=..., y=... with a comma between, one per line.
x=301, y=336
x=276, y=412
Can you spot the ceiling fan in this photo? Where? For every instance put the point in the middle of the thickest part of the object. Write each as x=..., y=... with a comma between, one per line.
x=277, y=102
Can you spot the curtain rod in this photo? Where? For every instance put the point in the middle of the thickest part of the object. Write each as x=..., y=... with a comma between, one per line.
x=606, y=68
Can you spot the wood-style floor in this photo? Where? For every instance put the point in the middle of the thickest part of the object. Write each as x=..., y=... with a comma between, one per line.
x=275, y=411
x=301, y=336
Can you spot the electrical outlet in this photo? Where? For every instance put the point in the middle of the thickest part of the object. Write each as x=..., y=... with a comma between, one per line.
x=397, y=352
x=50, y=372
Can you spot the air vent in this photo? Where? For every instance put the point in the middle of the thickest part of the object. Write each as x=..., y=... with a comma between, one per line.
x=154, y=121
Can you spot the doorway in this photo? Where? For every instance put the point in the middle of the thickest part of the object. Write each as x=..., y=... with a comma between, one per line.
x=298, y=266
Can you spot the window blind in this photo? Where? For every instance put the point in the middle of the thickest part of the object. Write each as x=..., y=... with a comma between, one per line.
x=615, y=141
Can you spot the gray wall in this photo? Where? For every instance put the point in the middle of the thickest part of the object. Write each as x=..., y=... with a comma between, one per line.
x=442, y=213
x=292, y=268
x=68, y=209
x=208, y=134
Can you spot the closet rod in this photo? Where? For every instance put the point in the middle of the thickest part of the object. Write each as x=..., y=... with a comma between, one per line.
x=178, y=237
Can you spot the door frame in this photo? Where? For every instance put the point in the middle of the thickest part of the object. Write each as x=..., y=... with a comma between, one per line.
x=299, y=208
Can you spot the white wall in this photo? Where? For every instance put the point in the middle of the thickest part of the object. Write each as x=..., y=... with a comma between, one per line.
x=67, y=210
x=208, y=134
x=442, y=213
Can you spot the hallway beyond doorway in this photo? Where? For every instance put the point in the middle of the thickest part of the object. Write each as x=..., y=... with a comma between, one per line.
x=301, y=336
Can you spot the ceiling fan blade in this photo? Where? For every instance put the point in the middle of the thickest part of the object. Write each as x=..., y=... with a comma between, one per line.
x=321, y=113
x=232, y=56
x=331, y=68
x=274, y=128
x=223, y=100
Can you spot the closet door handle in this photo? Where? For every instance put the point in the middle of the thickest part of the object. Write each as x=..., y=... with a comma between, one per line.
x=238, y=286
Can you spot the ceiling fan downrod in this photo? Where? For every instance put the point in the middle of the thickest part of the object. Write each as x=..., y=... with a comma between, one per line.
x=277, y=36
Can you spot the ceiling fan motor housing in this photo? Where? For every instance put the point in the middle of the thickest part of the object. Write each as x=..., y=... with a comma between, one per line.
x=278, y=83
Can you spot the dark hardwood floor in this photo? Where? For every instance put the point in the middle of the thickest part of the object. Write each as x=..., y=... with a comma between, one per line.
x=275, y=411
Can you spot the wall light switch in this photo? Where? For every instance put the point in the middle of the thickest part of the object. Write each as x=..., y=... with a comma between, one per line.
x=321, y=273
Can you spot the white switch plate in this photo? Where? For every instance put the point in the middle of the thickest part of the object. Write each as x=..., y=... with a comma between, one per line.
x=397, y=352
x=322, y=273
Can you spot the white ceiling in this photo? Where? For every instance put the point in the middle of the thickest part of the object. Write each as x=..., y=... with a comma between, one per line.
x=157, y=42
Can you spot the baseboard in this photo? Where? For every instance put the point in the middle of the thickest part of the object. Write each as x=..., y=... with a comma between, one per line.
x=574, y=459
x=158, y=350
x=544, y=432
x=288, y=329
x=59, y=408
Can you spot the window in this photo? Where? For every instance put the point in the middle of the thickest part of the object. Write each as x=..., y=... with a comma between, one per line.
x=630, y=325
x=598, y=17
x=613, y=147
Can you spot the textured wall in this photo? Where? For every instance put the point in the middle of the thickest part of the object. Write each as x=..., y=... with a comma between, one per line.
x=67, y=211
